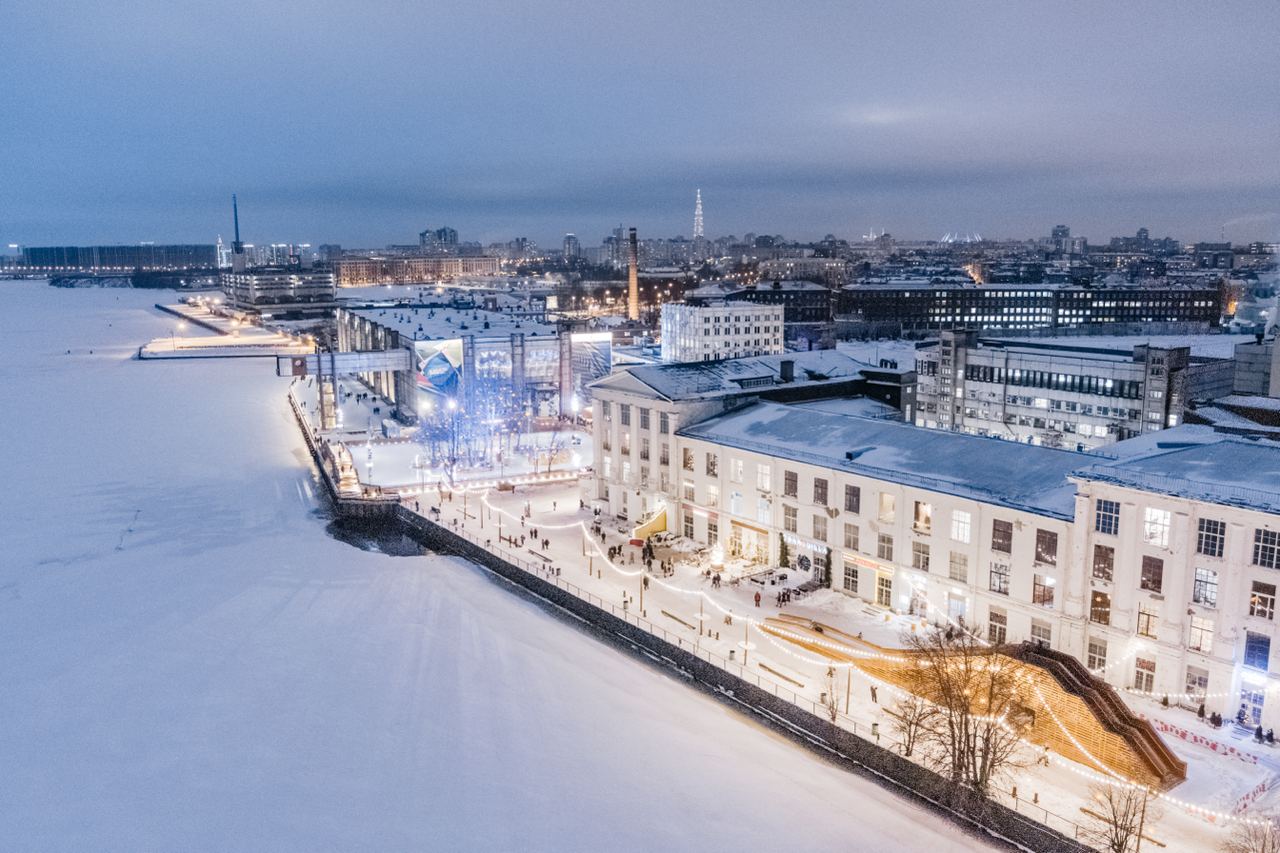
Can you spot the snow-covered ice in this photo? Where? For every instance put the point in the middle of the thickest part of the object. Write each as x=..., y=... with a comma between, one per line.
x=189, y=662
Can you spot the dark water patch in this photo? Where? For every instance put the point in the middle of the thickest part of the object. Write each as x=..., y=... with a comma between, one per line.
x=380, y=537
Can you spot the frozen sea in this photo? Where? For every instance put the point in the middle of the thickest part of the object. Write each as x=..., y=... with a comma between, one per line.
x=189, y=662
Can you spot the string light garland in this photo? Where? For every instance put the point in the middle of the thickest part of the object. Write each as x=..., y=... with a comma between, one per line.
x=772, y=631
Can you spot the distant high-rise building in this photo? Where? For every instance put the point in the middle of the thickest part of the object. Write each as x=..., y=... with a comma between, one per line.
x=619, y=246
x=1060, y=236
x=438, y=238
x=697, y=215
x=572, y=249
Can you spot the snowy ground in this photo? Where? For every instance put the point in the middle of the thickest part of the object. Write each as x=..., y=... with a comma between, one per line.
x=190, y=663
x=187, y=338
x=393, y=462
x=671, y=605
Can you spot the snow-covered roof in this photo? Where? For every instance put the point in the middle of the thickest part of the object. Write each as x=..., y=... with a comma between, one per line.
x=1225, y=420
x=732, y=289
x=863, y=407
x=1202, y=346
x=697, y=379
x=421, y=322
x=1250, y=401
x=1194, y=462
x=1018, y=476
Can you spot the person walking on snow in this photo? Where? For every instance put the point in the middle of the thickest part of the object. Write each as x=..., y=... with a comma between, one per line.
x=757, y=598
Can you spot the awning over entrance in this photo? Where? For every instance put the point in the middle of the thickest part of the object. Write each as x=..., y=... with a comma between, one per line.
x=656, y=524
x=760, y=530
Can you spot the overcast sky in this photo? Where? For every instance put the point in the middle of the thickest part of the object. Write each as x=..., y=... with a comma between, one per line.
x=364, y=122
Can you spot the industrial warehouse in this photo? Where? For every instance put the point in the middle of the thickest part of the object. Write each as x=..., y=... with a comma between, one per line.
x=498, y=363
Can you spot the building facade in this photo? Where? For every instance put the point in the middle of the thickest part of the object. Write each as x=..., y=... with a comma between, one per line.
x=1257, y=368
x=279, y=290
x=714, y=330
x=636, y=412
x=1158, y=568
x=1059, y=395
x=119, y=259
x=356, y=272
x=1179, y=561
x=922, y=306
x=805, y=304
x=494, y=364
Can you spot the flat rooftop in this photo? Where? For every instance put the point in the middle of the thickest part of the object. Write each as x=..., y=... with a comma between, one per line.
x=1018, y=476
x=1202, y=346
x=697, y=379
x=1192, y=462
x=433, y=322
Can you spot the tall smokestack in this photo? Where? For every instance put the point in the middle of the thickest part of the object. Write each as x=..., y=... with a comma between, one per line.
x=633, y=276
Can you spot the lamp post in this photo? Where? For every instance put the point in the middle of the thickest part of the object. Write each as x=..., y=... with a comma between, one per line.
x=452, y=406
x=1142, y=818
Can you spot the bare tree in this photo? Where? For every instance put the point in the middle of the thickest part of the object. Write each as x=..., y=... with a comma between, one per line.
x=829, y=700
x=1262, y=836
x=1118, y=815
x=914, y=719
x=982, y=706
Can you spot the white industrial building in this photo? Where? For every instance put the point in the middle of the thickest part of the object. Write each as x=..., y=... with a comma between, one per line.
x=279, y=290
x=1059, y=394
x=720, y=329
x=1156, y=565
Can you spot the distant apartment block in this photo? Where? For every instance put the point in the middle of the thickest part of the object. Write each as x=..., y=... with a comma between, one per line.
x=923, y=306
x=119, y=259
x=354, y=272
x=279, y=290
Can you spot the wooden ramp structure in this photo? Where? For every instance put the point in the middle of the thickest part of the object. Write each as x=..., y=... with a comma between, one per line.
x=1070, y=711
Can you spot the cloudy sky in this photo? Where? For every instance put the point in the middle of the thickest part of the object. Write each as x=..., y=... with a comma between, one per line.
x=364, y=122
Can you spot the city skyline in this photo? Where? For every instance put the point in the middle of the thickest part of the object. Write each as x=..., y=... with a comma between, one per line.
x=984, y=119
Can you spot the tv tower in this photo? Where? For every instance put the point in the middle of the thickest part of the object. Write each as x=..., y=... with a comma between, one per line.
x=697, y=215
x=238, y=260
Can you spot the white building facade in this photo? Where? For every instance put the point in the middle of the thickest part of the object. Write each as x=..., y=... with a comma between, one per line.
x=1178, y=576
x=1058, y=395
x=719, y=330
x=1158, y=569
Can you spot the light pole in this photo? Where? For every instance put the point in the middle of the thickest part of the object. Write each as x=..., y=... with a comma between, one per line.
x=1142, y=819
x=452, y=406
